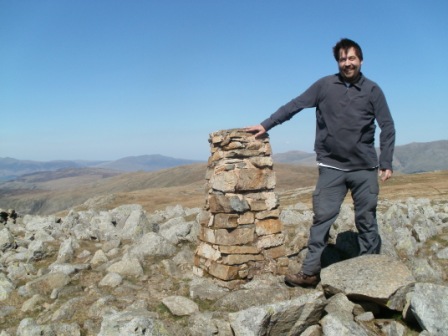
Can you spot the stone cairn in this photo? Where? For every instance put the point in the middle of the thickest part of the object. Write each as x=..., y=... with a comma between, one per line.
x=240, y=233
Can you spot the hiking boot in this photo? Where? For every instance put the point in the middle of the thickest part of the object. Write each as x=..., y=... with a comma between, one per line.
x=301, y=279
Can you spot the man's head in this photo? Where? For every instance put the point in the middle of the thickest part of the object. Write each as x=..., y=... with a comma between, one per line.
x=348, y=54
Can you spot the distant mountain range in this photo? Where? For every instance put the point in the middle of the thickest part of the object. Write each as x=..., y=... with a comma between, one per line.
x=415, y=157
x=11, y=168
x=411, y=158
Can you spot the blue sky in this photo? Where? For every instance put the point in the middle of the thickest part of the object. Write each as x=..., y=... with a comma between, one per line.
x=101, y=80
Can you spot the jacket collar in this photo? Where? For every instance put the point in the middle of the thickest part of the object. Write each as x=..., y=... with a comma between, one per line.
x=357, y=84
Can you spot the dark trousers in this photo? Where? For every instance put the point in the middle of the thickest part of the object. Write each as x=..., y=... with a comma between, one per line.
x=331, y=189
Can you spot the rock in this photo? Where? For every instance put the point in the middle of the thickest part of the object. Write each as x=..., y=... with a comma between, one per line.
x=66, y=251
x=152, y=244
x=66, y=310
x=430, y=308
x=99, y=258
x=443, y=254
x=33, y=303
x=136, y=225
x=6, y=240
x=371, y=277
x=111, y=280
x=393, y=329
x=425, y=271
x=175, y=230
x=334, y=326
x=6, y=287
x=29, y=327
x=180, y=306
x=129, y=266
x=365, y=317
x=68, y=268
x=46, y=283
x=132, y=323
x=339, y=305
x=203, y=324
x=279, y=318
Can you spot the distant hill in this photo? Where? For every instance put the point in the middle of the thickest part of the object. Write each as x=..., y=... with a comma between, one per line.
x=145, y=163
x=420, y=157
x=296, y=157
x=412, y=158
x=12, y=168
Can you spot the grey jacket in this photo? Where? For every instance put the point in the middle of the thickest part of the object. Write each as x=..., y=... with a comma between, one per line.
x=345, y=122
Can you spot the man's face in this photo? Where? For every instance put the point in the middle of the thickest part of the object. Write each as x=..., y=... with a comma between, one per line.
x=349, y=65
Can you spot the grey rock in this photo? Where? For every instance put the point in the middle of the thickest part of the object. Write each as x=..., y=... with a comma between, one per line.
x=365, y=317
x=314, y=330
x=131, y=323
x=66, y=250
x=180, y=305
x=6, y=287
x=175, y=230
x=6, y=240
x=340, y=305
x=136, y=225
x=101, y=307
x=46, y=283
x=152, y=244
x=68, y=269
x=279, y=318
x=36, y=223
x=334, y=326
x=397, y=301
x=6, y=310
x=371, y=277
x=20, y=271
x=99, y=258
x=425, y=271
x=29, y=327
x=244, y=298
x=393, y=328
x=66, y=310
x=128, y=266
x=430, y=307
x=33, y=303
x=206, y=289
x=443, y=254
x=204, y=324
x=111, y=280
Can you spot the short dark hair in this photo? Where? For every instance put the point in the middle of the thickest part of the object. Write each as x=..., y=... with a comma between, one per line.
x=345, y=44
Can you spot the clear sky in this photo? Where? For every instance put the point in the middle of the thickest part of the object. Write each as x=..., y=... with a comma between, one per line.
x=105, y=79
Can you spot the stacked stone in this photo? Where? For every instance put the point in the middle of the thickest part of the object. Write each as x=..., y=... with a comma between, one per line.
x=241, y=234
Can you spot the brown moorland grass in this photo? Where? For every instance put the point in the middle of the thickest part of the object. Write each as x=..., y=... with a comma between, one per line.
x=294, y=184
x=186, y=186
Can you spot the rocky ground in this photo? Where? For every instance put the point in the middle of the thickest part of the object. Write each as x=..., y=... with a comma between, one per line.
x=128, y=272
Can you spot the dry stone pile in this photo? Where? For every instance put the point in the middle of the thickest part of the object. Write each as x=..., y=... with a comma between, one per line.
x=241, y=234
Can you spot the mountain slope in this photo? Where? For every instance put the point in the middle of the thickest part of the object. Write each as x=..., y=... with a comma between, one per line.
x=421, y=157
x=145, y=163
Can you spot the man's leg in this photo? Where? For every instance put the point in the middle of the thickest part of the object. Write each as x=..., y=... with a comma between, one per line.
x=327, y=199
x=364, y=187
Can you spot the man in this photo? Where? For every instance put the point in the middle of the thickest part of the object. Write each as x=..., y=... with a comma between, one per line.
x=347, y=106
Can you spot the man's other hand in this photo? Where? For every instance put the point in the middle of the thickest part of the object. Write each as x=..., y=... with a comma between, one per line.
x=385, y=174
